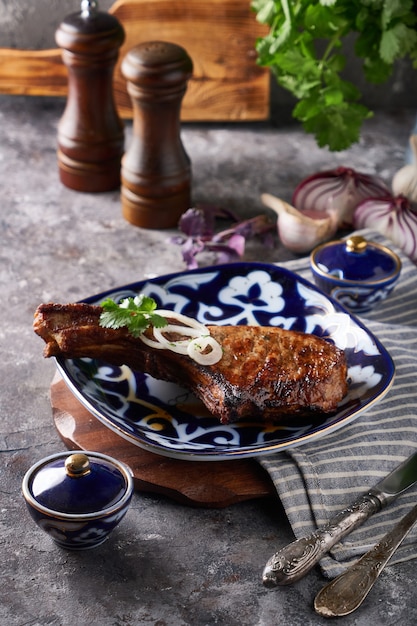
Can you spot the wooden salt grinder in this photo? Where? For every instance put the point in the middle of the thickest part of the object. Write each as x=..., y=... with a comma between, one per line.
x=156, y=170
x=90, y=132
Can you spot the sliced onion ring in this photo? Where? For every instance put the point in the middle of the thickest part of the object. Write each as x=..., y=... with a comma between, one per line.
x=196, y=340
x=177, y=329
x=197, y=350
x=179, y=317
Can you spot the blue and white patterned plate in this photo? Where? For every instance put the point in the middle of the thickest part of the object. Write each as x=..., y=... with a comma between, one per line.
x=166, y=419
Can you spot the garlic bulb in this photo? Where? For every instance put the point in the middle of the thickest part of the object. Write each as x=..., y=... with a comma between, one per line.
x=405, y=180
x=300, y=232
x=393, y=217
x=337, y=192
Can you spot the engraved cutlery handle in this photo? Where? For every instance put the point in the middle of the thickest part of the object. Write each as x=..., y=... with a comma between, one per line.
x=294, y=561
x=346, y=593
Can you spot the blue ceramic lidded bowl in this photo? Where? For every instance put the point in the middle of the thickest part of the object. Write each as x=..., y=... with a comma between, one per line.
x=356, y=272
x=78, y=498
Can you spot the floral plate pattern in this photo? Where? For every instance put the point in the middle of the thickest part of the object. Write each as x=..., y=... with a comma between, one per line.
x=169, y=420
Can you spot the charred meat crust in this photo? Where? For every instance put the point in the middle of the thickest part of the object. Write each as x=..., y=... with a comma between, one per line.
x=265, y=373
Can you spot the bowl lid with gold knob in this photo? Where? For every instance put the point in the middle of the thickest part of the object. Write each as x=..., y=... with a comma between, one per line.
x=78, y=483
x=356, y=259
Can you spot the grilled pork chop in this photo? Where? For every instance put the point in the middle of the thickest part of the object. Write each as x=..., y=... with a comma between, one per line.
x=265, y=373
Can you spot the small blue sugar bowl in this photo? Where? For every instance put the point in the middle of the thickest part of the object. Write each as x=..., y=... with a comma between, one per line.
x=357, y=273
x=78, y=498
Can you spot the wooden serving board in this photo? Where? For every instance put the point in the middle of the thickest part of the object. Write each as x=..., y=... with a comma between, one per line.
x=211, y=484
x=219, y=36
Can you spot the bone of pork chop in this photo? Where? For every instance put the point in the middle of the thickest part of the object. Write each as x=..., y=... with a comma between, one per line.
x=265, y=373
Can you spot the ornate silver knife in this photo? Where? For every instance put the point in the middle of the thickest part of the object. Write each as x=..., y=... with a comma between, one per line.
x=345, y=594
x=297, y=558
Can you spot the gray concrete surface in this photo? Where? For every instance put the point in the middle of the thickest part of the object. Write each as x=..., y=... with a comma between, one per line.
x=166, y=564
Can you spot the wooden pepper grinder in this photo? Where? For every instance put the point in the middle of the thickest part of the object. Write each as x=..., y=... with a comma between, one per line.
x=90, y=132
x=156, y=170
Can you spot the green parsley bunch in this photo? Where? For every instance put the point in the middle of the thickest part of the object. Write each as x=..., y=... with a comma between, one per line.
x=304, y=51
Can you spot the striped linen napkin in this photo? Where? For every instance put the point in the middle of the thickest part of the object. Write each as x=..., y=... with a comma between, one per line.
x=316, y=480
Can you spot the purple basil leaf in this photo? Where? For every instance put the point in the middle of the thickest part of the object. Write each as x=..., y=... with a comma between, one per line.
x=237, y=243
x=255, y=226
x=200, y=221
x=198, y=228
x=225, y=253
x=213, y=211
x=258, y=225
x=190, y=249
x=194, y=224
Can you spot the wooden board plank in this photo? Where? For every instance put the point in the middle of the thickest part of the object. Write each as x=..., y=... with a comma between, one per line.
x=209, y=484
x=220, y=35
x=32, y=72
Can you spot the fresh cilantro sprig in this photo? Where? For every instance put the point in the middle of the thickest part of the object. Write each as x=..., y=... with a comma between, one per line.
x=136, y=314
x=303, y=48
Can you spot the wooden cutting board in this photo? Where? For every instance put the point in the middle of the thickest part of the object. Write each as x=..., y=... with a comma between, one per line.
x=219, y=35
x=211, y=484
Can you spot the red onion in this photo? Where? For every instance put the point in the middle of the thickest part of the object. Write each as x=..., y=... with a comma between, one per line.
x=337, y=191
x=393, y=217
